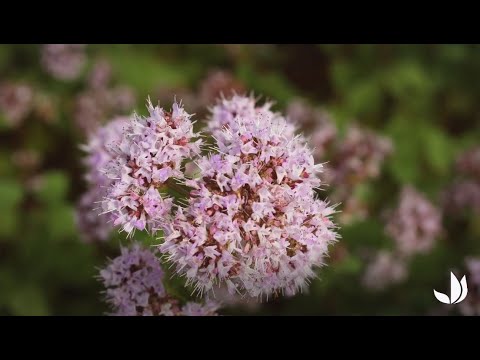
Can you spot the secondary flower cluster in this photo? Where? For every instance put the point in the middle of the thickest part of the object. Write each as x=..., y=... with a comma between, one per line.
x=414, y=225
x=94, y=225
x=464, y=193
x=134, y=287
x=252, y=221
x=16, y=102
x=63, y=61
x=359, y=156
x=151, y=151
x=384, y=270
x=352, y=159
x=19, y=101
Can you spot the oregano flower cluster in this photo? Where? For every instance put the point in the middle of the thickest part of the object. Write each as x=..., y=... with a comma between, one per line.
x=250, y=220
x=150, y=152
x=134, y=286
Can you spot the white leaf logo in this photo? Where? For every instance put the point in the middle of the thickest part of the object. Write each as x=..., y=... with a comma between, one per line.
x=458, y=291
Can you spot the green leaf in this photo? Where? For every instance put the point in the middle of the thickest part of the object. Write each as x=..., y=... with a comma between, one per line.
x=404, y=163
x=60, y=219
x=8, y=223
x=11, y=193
x=271, y=85
x=438, y=149
x=350, y=265
x=369, y=233
x=364, y=97
x=53, y=187
x=145, y=72
x=28, y=300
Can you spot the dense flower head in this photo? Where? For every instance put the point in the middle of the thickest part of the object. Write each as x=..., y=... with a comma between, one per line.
x=93, y=225
x=134, y=282
x=252, y=222
x=151, y=151
x=16, y=102
x=63, y=61
x=415, y=223
x=134, y=287
x=385, y=269
x=240, y=112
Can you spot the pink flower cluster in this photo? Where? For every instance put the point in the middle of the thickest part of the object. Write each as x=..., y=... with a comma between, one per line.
x=468, y=163
x=240, y=111
x=384, y=270
x=464, y=193
x=150, y=152
x=93, y=225
x=16, y=101
x=352, y=159
x=253, y=222
x=134, y=287
x=217, y=83
x=359, y=156
x=415, y=224
x=63, y=61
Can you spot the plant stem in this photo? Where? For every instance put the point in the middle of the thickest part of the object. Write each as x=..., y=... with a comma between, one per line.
x=182, y=190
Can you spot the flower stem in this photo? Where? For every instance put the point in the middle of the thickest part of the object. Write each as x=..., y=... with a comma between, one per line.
x=182, y=190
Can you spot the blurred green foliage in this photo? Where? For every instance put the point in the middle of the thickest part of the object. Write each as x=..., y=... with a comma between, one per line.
x=424, y=97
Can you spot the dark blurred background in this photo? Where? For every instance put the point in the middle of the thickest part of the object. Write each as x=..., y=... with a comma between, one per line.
x=398, y=126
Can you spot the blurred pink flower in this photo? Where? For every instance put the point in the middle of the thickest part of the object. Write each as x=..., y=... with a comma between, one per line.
x=415, y=224
x=217, y=83
x=16, y=102
x=385, y=269
x=63, y=61
x=468, y=163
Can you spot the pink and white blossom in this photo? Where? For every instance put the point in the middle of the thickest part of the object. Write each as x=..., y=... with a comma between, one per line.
x=415, y=224
x=134, y=287
x=151, y=151
x=253, y=222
